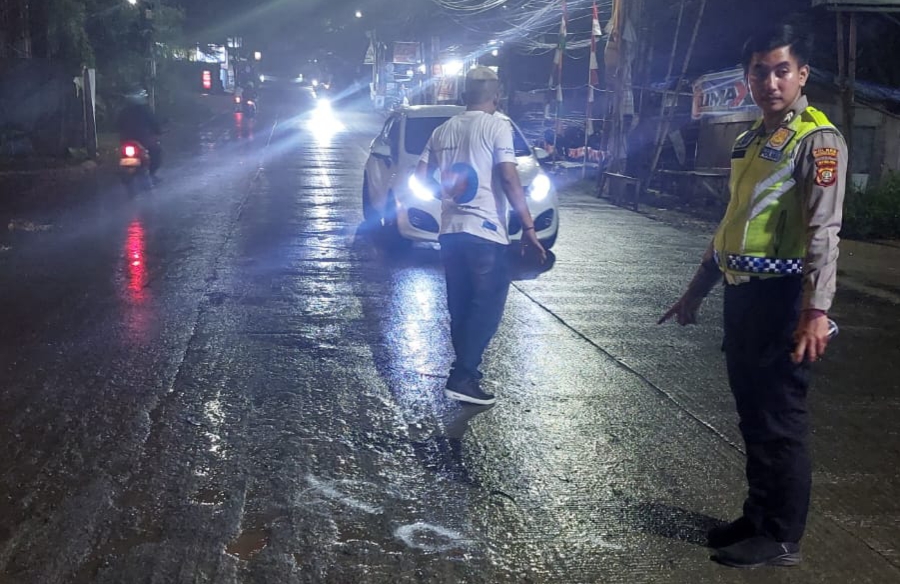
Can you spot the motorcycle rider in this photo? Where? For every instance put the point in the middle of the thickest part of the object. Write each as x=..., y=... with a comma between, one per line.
x=137, y=122
x=250, y=94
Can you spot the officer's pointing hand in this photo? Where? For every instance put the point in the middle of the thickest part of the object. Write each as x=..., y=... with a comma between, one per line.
x=684, y=311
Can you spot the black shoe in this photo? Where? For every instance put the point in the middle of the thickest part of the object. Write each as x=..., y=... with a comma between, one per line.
x=759, y=551
x=468, y=391
x=730, y=533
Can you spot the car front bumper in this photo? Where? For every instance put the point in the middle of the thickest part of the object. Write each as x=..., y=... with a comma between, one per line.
x=419, y=220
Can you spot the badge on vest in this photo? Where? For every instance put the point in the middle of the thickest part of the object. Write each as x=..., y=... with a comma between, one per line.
x=780, y=139
x=770, y=154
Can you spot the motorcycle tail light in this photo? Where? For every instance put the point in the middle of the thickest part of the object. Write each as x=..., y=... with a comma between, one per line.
x=129, y=150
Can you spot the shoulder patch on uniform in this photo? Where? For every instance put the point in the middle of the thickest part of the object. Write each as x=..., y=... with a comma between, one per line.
x=825, y=153
x=826, y=171
x=745, y=139
x=780, y=138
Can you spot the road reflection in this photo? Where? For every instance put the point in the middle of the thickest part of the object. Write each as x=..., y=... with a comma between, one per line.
x=138, y=313
x=135, y=247
x=243, y=126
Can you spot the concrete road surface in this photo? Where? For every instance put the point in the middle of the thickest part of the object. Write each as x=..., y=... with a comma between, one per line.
x=228, y=380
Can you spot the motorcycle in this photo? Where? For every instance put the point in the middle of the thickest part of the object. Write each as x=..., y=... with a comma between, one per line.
x=245, y=106
x=134, y=164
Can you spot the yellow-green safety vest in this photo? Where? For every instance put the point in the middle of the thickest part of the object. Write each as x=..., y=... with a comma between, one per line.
x=764, y=231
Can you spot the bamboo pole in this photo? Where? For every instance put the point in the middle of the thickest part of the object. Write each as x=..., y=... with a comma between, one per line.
x=687, y=61
x=559, y=82
x=665, y=95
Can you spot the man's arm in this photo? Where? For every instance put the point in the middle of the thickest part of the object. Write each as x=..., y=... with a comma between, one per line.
x=822, y=174
x=427, y=165
x=515, y=194
x=505, y=166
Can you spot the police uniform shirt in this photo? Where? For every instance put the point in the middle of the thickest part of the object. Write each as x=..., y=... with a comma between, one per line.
x=820, y=173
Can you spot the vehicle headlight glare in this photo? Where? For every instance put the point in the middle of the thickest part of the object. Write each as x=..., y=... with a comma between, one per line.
x=420, y=191
x=540, y=187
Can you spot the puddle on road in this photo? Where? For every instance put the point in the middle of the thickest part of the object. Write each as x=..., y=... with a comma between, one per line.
x=249, y=543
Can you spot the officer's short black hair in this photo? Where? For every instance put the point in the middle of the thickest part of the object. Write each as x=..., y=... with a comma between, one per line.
x=792, y=33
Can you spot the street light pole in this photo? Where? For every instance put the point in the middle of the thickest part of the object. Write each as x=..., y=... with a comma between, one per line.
x=146, y=23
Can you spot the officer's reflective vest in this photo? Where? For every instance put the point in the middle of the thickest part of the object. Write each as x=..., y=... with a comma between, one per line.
x=764, y=231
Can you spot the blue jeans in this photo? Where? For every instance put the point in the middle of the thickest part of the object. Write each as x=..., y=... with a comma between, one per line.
x=477, y=273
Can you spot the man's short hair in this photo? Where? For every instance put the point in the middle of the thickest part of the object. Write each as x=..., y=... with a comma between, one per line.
x=792, y=33
x=482, y=85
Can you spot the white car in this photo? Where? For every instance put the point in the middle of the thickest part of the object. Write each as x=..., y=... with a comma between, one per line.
x=389, y=201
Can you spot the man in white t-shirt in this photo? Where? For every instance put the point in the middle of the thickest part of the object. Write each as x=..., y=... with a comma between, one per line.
x=474, y=152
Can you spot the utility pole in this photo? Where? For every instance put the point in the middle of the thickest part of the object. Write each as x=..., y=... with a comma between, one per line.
x=146, y=26
x=847, y=76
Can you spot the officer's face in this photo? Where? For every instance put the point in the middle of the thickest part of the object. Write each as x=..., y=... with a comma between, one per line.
x=775, y=80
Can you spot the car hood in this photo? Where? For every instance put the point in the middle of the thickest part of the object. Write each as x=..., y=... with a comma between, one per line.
x=528, y=168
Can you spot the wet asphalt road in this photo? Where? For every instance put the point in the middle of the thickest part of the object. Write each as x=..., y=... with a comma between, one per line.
x=227, y=380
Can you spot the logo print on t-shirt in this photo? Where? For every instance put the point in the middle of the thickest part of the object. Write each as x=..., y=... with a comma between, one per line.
x=460, y=183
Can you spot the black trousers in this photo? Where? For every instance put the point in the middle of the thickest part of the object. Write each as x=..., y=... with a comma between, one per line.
x=770, y=394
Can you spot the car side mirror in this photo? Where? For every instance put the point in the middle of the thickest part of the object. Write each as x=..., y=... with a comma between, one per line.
x=541, y=154
x=382, y=151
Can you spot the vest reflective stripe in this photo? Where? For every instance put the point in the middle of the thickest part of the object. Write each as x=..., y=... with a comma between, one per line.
x=772, y=197
x=764, y=215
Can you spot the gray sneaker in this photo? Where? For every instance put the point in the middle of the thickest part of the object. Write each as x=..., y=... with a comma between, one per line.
x=468, y=391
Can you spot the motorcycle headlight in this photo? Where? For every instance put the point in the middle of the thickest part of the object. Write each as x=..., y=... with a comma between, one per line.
x=420, y=190
x=540, y=187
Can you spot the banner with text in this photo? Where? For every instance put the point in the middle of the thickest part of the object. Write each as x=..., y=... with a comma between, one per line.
x=406, y=53
x=721, y=93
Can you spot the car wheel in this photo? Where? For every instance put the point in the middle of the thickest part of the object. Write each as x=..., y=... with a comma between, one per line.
x=369, y=212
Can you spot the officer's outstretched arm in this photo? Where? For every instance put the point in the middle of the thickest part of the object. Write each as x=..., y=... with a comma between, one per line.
x=705, y=278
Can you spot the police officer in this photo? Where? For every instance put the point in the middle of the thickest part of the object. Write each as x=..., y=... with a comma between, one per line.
x=777, y=247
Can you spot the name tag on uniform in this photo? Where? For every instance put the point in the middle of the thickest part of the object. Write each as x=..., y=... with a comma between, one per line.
x=770, y=154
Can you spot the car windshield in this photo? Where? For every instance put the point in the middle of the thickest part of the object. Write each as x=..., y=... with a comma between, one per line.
x=418, y=131
x=520, y=143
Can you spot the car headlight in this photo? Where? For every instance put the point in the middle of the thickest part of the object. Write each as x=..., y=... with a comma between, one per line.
x=420, y=190
x=540, y=187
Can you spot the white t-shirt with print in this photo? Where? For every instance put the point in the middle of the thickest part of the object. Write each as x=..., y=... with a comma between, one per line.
x=470, y=145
